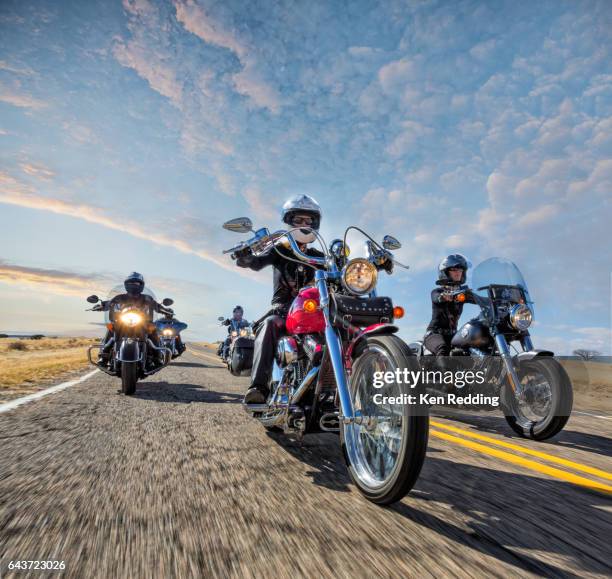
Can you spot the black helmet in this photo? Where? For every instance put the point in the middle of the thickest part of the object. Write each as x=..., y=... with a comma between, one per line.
x=453, y=260
x=134, y=283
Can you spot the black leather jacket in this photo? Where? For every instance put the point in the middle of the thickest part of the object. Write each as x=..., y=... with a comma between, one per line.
x=445, y=315
x=288, y=276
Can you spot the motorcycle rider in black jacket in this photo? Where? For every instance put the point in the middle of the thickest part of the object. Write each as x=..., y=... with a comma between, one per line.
x=288, y=278
x=134, y=286
x=446, y=311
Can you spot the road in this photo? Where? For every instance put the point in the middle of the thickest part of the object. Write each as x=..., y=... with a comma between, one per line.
x=179, y=481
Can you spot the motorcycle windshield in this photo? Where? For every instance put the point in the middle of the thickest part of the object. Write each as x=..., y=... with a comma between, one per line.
x=500, y=272
x=119, y=290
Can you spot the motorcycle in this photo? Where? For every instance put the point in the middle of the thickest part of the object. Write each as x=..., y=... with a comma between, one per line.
x=238, y=356
x=169, y=330
x=131, y=352
x=339, y=333
x=534, y=391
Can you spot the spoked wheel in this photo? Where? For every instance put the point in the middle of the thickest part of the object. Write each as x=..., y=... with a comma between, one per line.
x=386, y=444
x=129, y=377
x=547, y=403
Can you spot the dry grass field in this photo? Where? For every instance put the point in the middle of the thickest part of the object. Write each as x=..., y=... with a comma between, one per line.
x=592, y=382
x=26, y=365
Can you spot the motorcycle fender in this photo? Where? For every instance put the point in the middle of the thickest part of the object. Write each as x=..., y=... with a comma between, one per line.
x=524, y=356
x=129, y=351
x=374, y=330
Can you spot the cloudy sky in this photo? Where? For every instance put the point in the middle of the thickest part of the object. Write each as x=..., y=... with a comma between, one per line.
x=130, y=131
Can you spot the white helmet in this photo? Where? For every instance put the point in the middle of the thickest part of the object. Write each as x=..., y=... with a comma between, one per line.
x=302, y=205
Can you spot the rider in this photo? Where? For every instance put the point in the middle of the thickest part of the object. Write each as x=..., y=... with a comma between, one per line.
x=134, y=285
x=289, y=277
x=235, y=324
x=446, y=311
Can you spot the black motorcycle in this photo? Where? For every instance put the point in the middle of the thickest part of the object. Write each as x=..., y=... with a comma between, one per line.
x=237, y=350
x=127, y=351
x=534, y=391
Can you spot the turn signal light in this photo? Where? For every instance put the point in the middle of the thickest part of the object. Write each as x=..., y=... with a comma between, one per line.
x=398, y=312
x=460, y=298
x=310, y=306
x=109, y=326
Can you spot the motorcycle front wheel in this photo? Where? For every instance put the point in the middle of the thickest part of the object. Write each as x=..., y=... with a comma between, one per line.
x=129, y=377
x=547, y=402
x=384, y=447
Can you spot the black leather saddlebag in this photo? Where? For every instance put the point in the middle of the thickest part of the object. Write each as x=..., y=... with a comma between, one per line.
x=349, y=311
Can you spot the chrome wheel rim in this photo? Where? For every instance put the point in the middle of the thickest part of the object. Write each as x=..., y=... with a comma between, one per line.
x=376, y=436
x=536, y=403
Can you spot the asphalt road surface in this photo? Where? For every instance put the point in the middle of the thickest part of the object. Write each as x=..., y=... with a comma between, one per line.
x=178, y=481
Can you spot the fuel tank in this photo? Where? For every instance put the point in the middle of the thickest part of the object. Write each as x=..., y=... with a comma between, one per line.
x=472, y=333
x=304, y=316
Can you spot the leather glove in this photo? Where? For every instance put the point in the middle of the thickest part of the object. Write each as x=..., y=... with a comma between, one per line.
x=244, y=255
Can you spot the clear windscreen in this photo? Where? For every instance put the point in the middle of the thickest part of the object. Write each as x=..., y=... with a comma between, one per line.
x=120, y=290
x=499, y=271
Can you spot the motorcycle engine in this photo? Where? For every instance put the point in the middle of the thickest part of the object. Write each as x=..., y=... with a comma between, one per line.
x=286, y=351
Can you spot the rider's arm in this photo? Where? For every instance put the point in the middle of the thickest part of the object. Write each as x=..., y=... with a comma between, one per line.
x=247, y=259
x=437, y=296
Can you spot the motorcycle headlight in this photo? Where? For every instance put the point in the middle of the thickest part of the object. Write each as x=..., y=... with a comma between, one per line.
x=243, y=332
x=521, y=317
x=131, y=319
x=359, y=276
x=234, y=333
x=167, y=332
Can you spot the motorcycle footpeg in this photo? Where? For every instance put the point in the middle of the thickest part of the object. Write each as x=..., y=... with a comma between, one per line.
x=254, y=408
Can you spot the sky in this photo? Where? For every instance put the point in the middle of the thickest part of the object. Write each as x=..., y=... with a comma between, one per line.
x=130, y=131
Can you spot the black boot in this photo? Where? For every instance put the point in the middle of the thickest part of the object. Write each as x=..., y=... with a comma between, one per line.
x=256, y=395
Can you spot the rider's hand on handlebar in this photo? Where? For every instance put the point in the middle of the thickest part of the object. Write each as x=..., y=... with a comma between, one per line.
x=388, y=265
x=242, y=253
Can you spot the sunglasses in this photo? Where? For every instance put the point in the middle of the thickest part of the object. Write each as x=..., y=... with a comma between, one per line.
x=308, y=221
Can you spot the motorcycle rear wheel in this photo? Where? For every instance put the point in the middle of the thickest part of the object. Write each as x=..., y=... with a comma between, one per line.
x=385, y=447
x=549, y=400
x=129, y=377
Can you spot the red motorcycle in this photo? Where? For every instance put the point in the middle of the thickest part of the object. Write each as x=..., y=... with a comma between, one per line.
x=340, y=337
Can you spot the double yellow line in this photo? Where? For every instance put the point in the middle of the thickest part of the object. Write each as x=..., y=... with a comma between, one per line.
x=521, y=461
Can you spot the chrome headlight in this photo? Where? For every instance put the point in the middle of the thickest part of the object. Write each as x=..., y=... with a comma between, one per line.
x=359, y=276
x=234, y=333
x=244, y=332
x=131, y=319
x=521, y=317
x=167, y=332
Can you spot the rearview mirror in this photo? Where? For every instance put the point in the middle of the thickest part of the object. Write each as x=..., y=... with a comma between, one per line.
x=221, y=318
x=239, y=225
x=389, y=242
x=93, y=299
x=167, y=302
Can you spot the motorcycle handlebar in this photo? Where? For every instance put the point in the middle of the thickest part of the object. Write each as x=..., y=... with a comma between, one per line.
x=264, y=241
